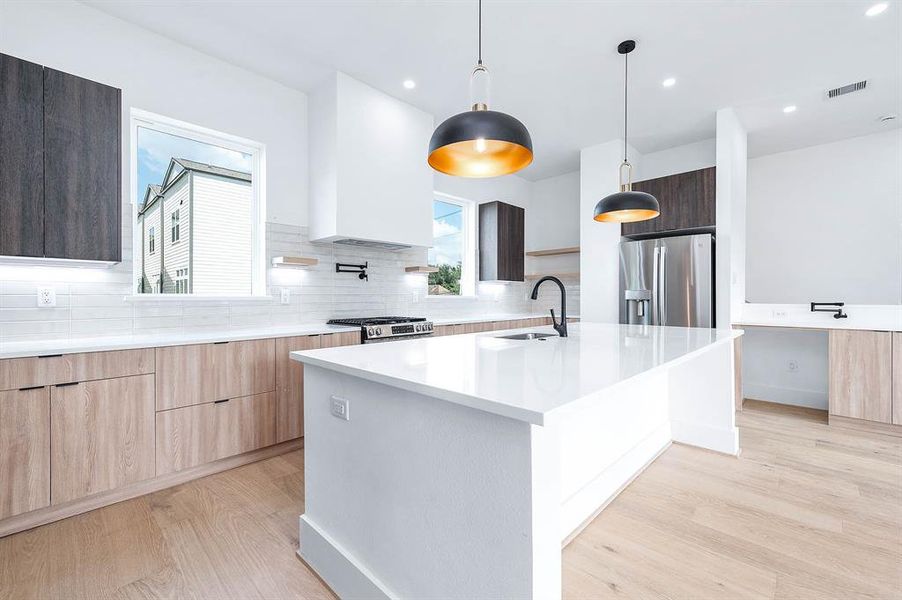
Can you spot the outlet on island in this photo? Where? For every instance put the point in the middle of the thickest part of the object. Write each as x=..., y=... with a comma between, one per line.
x=340, y=408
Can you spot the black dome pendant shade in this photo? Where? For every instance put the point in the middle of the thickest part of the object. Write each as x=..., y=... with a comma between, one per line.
x=480, y=142
x=626, y=206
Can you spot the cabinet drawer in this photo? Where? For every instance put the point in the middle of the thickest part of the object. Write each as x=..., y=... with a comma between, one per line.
x=189, y=375
x=195, y=435
x=64, y=368
x=101, y=435
x=24, y=451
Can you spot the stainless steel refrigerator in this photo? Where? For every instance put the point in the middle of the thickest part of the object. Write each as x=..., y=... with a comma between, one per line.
x=668, y=281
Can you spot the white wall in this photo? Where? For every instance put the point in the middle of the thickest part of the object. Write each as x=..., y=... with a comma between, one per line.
x=732, y=161
x=680, y=159
x=599, y=259
x=552, y=221
x=825, y=223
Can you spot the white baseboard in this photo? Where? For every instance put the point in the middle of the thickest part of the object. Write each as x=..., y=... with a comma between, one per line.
x=717, y=439
x=781, y=395
x=341, y=571
x=581, y=508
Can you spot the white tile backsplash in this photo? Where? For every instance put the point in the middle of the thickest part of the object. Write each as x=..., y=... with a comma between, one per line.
x=95, y=302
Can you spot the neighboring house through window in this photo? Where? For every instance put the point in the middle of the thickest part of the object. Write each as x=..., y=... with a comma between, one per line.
x=204, y=185
x=454, y=247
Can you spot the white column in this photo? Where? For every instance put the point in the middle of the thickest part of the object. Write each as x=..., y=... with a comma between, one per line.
x=732, y=163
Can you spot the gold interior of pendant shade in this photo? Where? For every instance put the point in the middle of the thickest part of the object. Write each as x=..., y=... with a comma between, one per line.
x=489, y=159
x=630, y=215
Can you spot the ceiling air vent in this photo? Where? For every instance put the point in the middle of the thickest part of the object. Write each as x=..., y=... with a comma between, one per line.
x=847, y=89
x=369, y=244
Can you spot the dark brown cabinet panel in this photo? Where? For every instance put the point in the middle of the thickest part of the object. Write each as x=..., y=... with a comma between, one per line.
x=687, y=201
x=21, y=158
x=82, y=188
x=501, y=240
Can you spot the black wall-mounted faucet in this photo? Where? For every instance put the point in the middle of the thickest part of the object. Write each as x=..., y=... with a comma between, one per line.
x=359, y=269
x=837, y=312
x=561, y=327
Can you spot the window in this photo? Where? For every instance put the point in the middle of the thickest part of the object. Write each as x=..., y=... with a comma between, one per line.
x=210, y=182
x=453, y=248
x=175, y=226
x=181, y=281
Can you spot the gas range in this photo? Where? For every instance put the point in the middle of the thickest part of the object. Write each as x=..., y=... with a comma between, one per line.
x=384, y=329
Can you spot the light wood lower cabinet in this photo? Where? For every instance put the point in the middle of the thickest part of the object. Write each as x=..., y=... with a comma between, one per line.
x=290, y=386
x=188, y=375
x=194, y=435
x=897, y=378
x=345, y=338
x=101, y=435
x=64, y=368
x=24, y=450
x=861, y=375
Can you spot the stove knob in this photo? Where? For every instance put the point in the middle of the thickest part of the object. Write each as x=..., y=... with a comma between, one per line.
x=369, y=331
x=378, y=331
x=417, y=328
x=429, y=325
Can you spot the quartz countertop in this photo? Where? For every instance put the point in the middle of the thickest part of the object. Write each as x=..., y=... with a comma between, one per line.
x=126, y=342
x=524, y=380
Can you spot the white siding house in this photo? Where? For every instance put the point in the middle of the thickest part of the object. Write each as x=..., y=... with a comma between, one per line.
x=203, y=226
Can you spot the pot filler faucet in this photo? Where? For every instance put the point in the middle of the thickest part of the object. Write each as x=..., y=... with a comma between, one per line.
x=561, y=327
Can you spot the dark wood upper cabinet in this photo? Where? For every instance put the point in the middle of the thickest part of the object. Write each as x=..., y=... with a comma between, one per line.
x=82, y=169
x=687, y=201
x=501, y=240
x=21, y=158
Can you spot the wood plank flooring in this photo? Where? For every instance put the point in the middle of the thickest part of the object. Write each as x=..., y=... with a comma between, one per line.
x=806, y=512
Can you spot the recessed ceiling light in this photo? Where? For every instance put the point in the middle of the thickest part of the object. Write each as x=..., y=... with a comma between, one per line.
x=789, y=109
x=876, y=9
x=410, y=84
x=669, y=82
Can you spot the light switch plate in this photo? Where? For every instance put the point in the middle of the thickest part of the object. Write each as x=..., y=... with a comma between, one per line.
x=46, y=297
x=285, y=295
x=340, y=408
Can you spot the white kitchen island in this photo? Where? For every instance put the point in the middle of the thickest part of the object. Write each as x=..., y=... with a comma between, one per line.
x=466, y=461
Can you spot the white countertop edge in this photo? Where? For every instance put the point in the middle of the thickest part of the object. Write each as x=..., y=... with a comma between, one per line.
x=866, y=317
x=486, y=404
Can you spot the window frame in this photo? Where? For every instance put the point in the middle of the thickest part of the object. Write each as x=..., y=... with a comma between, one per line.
x=175, y=229
x=141, y=118
x=151, y=240
x=468, y=268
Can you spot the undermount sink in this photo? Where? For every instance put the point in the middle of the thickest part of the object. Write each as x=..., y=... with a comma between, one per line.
x=526, y=336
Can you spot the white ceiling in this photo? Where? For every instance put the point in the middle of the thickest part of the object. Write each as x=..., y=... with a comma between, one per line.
x=554, y=64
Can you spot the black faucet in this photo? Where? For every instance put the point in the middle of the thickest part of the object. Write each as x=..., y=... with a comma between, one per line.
x=561, y=327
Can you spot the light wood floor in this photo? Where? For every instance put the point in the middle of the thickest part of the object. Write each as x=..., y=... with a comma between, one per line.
x=806, y=512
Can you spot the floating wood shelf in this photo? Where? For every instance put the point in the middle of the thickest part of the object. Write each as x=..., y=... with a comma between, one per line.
x=558, y=275
x=294, y=261
x=554, y=251
x=421, y=269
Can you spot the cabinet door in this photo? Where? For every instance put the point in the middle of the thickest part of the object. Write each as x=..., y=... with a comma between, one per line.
x=501, y=242
x=346, y=338
x=860, y=366
x=290, y=386
x=194, y=435
x=101, y=435
x=24, y=450
x=21, y=158
x=188, y=375
x=897, y=378
x=687, y=200
x=82, y=168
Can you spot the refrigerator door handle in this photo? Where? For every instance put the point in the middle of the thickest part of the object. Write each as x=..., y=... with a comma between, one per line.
x=655, y=299
x=662, y=266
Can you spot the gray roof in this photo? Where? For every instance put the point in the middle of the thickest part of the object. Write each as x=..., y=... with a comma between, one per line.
x=192, y=165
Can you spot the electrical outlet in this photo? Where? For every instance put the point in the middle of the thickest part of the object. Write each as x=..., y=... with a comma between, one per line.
x=46, y=297
x=793, y=366
x=340, y=408
x=285, y=295
x=779, y=314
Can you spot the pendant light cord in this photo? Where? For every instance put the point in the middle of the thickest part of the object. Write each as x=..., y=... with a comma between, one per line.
x=479, y=57
x=626, y=62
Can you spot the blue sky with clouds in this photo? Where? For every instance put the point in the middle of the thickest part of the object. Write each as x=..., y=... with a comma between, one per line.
x=447, y=231
x=155, y=149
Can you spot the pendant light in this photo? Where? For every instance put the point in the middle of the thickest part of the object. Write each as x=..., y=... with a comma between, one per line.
x=626, y=206
x=480, y=142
